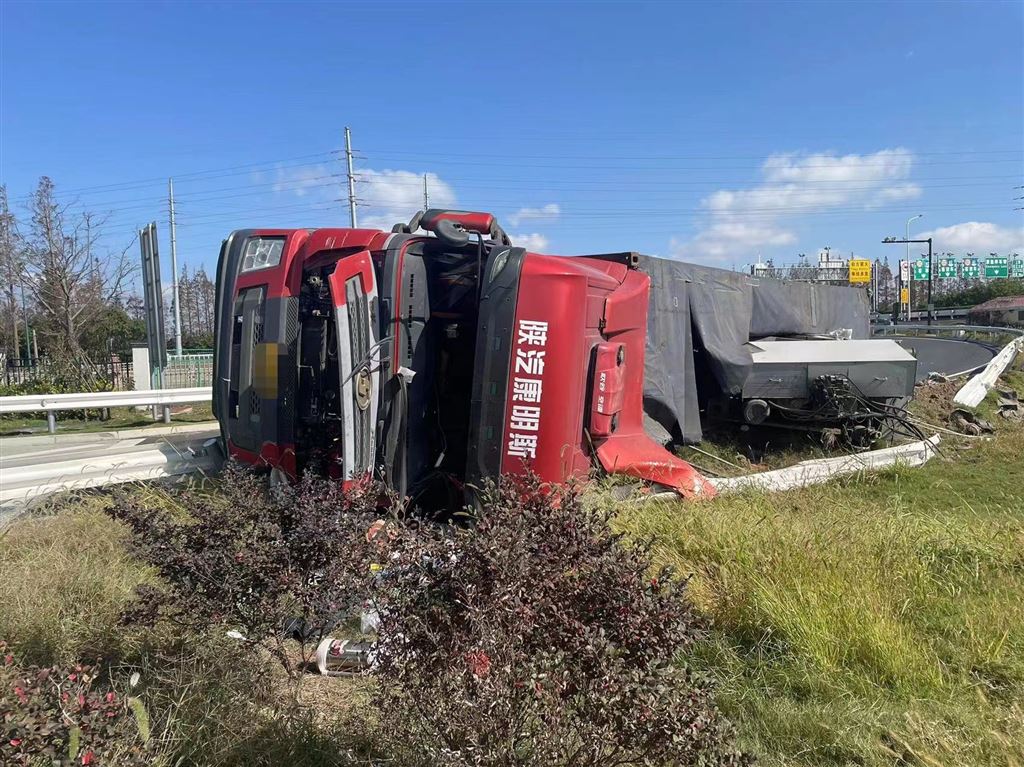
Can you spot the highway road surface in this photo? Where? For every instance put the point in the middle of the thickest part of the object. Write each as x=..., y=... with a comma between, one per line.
x=33, y=467
x=944, y=355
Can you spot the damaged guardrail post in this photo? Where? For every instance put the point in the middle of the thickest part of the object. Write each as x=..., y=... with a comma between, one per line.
x=974, y=391
x=820, y=470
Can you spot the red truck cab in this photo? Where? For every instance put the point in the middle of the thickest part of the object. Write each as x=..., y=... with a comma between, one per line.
x=435, y=356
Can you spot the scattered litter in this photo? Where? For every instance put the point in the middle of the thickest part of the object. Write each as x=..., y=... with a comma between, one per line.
x=337, y=657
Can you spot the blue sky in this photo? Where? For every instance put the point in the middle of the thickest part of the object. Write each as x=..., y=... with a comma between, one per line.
x=713, y=132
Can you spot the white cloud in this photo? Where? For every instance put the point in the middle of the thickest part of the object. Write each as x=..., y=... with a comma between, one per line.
x=740, y=222
x=535, y=242
x=724, y=240
x=391, y=196
x=385, y=197
x=303, y=181
x=977, y=236
x=549, y=212
x=897, y=193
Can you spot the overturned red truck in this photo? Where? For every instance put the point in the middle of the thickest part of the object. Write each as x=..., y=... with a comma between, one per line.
x=439, y=354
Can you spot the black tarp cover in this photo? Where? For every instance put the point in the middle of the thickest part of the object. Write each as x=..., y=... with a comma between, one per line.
x=714, y=313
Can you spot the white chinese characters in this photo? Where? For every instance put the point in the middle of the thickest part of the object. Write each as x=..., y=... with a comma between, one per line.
x=527, y=387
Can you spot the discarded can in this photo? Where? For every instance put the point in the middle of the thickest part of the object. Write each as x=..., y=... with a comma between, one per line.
x=336, y=657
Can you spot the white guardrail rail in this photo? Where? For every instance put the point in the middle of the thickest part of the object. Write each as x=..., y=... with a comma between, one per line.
x=51, y=403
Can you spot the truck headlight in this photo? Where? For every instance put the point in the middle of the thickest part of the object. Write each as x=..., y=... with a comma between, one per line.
x=500, y=261
x=262, y=253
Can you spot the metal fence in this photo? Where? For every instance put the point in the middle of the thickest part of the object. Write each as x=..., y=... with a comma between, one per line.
x=194, y=368
x=187, y=371
x=118, y=372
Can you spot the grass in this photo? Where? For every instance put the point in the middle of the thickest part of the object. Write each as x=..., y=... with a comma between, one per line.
x=63, y=582
x=120, y=418
x=65, y=578
x=876, y=620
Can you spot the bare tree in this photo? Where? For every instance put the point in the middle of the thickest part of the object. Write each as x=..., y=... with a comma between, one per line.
x=11, y=267
x=197, y=294
x=66, y=278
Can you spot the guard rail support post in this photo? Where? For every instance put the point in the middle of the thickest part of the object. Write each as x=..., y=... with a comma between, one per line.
x=51, y=422
x=167, y=413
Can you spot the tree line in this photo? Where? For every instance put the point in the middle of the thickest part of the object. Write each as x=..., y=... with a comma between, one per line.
x=70, y=299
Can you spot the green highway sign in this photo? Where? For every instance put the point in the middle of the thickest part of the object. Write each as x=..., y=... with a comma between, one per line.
x=921, y=269
x=970, y=268
x=947, y=269
x=1017, y=267
x=997, y=266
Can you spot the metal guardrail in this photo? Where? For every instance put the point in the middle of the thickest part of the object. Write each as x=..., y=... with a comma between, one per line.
x=943, y=313
x=947, y=313
x=51, y=403
x=975, y=390
x=34, y=467
x=994, y=329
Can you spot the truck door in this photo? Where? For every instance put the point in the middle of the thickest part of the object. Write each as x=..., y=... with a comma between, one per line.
x=354, y=295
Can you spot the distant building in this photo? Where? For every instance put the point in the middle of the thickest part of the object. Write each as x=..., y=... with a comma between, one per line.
x=1005, y=310
x=835, y=271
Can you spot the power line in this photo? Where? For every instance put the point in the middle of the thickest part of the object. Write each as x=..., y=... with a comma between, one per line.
x=604, y=166
x=603, y=157
x=201, y=175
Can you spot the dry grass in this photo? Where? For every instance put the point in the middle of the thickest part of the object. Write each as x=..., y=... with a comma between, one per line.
x=65, y=578
x=63, y=582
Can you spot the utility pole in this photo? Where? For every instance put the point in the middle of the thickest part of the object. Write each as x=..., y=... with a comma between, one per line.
x=931, y=276
x=351, y=178
x=874, y=286
x=88, y=242
x=174, y=268
x=426, y=197
x=910, y=270
x=28, y=331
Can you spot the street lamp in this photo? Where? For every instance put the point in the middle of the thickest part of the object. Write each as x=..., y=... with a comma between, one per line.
x=910, y=269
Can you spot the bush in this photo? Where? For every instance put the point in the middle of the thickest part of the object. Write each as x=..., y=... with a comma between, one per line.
x=532, y=637
x=61, y=716
x=538, y=637
x=256, y=562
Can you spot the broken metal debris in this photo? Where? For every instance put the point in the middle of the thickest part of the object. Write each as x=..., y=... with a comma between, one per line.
x=968, y=422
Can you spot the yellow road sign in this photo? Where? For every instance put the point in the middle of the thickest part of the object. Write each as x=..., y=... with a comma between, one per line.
x=905, y=295
x=860, y=271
